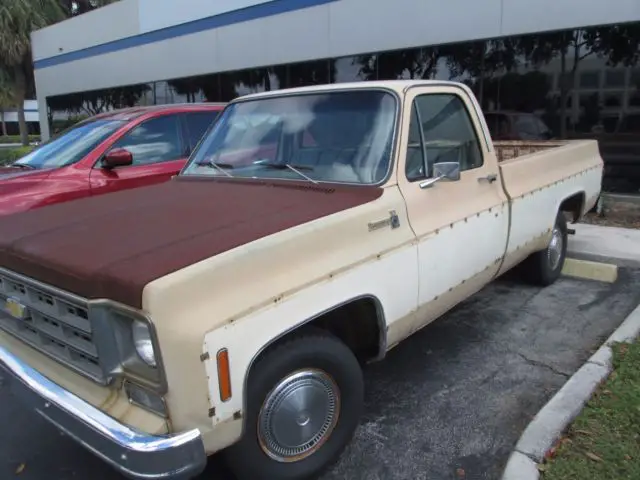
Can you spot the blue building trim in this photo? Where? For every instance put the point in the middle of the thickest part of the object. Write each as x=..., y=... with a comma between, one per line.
x=263, y=10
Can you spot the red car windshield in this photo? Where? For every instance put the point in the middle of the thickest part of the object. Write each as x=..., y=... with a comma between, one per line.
x=71, y=145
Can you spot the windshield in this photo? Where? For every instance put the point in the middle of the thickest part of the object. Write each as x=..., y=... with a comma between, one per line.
x=70, y=146
x=343, y=137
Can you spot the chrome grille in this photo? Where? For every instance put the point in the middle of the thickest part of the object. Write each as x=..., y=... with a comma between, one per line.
x=55, y=323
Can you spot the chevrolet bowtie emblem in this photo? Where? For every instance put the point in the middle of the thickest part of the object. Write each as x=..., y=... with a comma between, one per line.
x=15, y=309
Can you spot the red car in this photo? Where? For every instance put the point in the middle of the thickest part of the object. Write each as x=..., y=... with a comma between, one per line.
x=112, y=151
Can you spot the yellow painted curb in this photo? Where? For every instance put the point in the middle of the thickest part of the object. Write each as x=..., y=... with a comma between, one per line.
x=602, y=272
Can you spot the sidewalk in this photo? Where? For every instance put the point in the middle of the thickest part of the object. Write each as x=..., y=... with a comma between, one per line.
x=594, y=242
x=591, y=242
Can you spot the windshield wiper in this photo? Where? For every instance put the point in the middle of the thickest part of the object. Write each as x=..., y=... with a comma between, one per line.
x=23, y=165
x=221, y=167
x=293, y=168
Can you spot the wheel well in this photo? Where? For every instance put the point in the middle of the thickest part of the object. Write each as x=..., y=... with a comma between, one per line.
x=573, y=205
x=359, y=323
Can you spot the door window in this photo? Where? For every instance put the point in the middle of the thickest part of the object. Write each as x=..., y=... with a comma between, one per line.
x=197, y=124
x=447, y=132
x=153, y=141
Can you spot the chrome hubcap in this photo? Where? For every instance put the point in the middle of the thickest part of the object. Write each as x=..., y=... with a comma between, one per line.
x=554, y=250
x=298, y=415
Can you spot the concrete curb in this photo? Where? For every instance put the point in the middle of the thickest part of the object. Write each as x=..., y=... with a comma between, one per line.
x=550, y=422
x=589, y=270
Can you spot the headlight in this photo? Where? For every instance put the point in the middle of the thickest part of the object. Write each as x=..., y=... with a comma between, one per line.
x=129, y=346
x=143, y=343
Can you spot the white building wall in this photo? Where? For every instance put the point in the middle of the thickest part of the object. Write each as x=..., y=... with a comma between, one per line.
x=134, y=41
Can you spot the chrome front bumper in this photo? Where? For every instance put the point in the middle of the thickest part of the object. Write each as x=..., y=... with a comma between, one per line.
x=133, y=453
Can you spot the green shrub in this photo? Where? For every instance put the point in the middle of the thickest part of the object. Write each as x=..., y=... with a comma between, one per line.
x=8, y=155
x=16, y=138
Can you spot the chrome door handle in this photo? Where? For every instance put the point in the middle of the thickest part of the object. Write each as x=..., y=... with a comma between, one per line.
x=492, y=177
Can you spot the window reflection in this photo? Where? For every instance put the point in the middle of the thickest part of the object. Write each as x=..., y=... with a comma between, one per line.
x=351, y=69
x=581, y=83
x=342, y=137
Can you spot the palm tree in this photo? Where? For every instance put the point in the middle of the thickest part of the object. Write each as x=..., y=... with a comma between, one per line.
x=6, y=99
x=18, y=18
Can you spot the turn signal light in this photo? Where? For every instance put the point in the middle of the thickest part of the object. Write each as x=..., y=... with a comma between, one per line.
x=224, y=374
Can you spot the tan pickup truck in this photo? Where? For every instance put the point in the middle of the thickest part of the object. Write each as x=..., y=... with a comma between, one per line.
x=231, y=308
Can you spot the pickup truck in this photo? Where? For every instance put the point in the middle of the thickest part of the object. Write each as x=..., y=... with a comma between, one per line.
x=112, y=151
x=231, y=309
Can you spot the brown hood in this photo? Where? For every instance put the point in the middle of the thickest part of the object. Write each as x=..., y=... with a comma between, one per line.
x=113, y=245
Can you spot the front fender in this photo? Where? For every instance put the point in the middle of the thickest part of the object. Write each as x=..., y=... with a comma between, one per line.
x=383, y=279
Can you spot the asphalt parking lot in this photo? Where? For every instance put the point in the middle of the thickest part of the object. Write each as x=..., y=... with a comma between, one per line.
x=448, y=403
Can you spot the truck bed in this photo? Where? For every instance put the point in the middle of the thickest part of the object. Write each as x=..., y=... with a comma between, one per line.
x=537, y=176
x=510, y=149
x=527, y=167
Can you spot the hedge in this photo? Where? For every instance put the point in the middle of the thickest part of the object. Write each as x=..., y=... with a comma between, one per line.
x=8, y=155
x=16, y=138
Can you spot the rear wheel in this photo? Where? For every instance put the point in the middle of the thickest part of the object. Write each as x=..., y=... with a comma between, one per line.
x=305, y=399
x=544, y=267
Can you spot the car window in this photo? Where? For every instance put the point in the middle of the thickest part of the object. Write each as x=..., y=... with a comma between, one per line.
x=527, y=127
x=498, y=124
x=545, y=132
x=447, y=131
x=197, y=124
x=153, y=141
x=72, y=145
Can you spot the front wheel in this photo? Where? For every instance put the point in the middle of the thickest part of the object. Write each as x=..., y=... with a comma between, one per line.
x=305, y=398
x=544, y=267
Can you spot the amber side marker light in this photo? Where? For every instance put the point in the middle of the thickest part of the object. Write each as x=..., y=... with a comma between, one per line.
x=224, y=375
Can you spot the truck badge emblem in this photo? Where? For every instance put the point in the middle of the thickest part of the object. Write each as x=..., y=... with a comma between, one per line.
x=16, y=309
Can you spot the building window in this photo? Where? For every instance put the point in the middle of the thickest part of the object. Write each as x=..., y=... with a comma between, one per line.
x=614, y=78
x=589, y=79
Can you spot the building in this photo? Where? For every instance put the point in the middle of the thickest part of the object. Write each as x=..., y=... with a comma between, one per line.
x=10, y=118
x=163, y=51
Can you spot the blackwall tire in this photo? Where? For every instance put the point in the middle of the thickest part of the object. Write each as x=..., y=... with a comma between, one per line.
x=543, y=268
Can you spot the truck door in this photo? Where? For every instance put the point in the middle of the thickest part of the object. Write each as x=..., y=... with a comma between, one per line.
x=461, y=226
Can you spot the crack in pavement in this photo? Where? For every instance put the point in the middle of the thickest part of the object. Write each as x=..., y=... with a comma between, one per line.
x=537, y=363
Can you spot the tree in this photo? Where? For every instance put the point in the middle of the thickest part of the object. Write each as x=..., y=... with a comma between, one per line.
x=619, y=44
x=6, y=98
x=481, y=60
x=186, y=86
x=417, y=63
x=78, y=7
x=575, y=45
x=18, y=18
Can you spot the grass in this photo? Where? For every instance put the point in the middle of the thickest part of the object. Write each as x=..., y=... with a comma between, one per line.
x=8, y=155
x=603, y=442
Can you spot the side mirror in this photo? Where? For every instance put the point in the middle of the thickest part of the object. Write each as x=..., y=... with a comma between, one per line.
x=449, y=171
x=118, y=157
